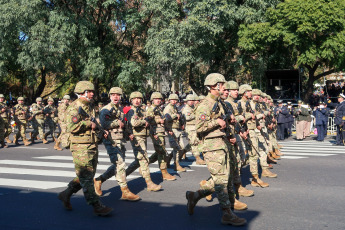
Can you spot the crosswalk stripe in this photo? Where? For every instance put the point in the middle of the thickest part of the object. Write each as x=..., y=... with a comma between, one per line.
x=44, y=172
x=308, y=154
x=292, y=157
x=31, y=183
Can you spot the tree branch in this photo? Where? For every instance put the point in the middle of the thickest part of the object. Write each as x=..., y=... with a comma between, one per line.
x=56, y=88
x=324, y=74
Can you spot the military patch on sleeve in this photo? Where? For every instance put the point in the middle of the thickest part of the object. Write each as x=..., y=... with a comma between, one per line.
x=75, y=119
x=203, y=117
x=107, y=117
x=136, y=117
x=188, y=114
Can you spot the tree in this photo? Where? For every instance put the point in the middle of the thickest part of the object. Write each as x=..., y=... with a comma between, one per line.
x=309, y=32
x=195, y=38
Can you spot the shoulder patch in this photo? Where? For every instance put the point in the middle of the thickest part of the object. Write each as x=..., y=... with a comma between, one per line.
x=107, y=117
x=203, y=117
x=75, y=119
x=188, y=114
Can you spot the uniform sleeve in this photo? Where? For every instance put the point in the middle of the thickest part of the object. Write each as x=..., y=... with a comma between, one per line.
x=106, y=121
x=134, y=119
x=169, y=114
x=189, y=115
x=204, y=122
x=76, y=123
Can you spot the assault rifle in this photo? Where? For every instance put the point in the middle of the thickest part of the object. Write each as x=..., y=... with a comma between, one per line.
x=102, y=131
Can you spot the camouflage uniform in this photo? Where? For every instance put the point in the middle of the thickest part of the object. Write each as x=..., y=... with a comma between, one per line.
x=5, y=128
x=20, y=115
x=189, y=116
x=51, y=119
x=62, y=123
x=38, y=120
x=109, y=119
x=172, y=124
x=137, y=121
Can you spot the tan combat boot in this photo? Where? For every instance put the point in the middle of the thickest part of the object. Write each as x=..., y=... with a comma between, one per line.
x=8, y=140
x=275, y=156
x=26, y=142
x=280, y=146
x=242, y=191
x=199, y=161
x=15, y=140
x=271, y=159
x=230, y=218
x=192, y=200
x=100, y=209
x=98, y=187
x=277, y=152
x=57, y=145
x=65, y=197
x=128, y=195
x=167, y=176
x=152, y=186
x=268, y=173
x=178, y=167
x=44, y=139
x=257, y=182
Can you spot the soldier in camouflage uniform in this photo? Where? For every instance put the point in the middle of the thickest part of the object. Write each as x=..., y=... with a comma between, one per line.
x=84, y=149
x=50, y=112
x=247, y=110
x=21, y=113
x=240, y=155
x=260, y=132
x=189, y=117
x=273, y=128
x=38, y=119
x=62, y=123
x=5, y=129
x=138, y=126
x=210, y=129
x=172, y=125
x=112, y=119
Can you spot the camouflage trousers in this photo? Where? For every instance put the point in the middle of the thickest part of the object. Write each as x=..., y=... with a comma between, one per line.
x=176, y=143
x=118, y=167
x=193, y=141
x=38, y=125
x=139, y=144
x=21, y=125
x=63, y=130
x=85, y=159
x=5, y=129
x=51, y=126
x=254, y=155
x=263, y=148
x=218, y=165
x=273, y=140
x=160, y=151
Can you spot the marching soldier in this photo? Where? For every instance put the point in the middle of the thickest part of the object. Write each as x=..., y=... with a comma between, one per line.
x=84, y=149
x=21, y=113
x=37, y=120
x=239, y=149
x=173, y=127
x=189, y=116
x=210, y=129
x=62, y=121
x=5, y=129
x=138, y=126
x=50, y=112
x=112, y=119
x=247, y=108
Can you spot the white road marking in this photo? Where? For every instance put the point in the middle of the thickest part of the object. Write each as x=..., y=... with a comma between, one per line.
x=292, y=157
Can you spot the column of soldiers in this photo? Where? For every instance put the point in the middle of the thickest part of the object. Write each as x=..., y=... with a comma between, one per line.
x=224, y=132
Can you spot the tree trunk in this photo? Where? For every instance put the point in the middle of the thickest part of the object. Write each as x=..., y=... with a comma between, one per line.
x=309, y=86
x=42, y=85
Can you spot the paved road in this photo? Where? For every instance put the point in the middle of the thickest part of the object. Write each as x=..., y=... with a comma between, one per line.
x=308, y=193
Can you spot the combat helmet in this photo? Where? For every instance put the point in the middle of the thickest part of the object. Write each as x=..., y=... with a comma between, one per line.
x=115, y=90
x=2, y=96
x=243, y=88
x=190, y=97
x=51, y=99
x=173, y=96
x=196, y=97
x=67, y=97
x=201, y=97
x=256, y=92
x=38, y=99
x=233, y=85
x=83, y=86
x=136, y=94
x=156, y=95
x=20, y=99
x=213, y=79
